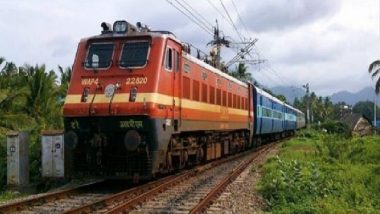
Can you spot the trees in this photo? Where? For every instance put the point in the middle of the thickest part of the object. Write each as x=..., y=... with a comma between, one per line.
x=32, y=95
x=241, y=73
x=365, y=108
x=42, y=100
x=65, y=79
x=374, y=70
x=321, y=108
x=281, y=97
x=31, y=99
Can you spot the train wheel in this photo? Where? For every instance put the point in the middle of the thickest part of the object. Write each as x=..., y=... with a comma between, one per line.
x=199, y=155
x=183, y=159
x=169, y=164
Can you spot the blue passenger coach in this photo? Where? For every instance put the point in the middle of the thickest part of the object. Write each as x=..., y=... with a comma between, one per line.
x=274, y=118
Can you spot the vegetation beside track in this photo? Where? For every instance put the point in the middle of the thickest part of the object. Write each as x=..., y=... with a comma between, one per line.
x=31, y=100
x=317, y=172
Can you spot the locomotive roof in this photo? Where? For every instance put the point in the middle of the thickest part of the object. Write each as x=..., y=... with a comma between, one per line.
x=213, y=69
x=266, y=94
x=153, y=34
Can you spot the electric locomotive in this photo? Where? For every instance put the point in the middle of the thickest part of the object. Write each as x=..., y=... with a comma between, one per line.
x=139, y=105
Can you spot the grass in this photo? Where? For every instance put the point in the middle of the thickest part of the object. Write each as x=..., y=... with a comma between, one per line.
x=8, y=195
x=320, y=173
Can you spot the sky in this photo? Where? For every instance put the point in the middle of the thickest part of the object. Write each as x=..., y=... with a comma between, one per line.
x=326, y=43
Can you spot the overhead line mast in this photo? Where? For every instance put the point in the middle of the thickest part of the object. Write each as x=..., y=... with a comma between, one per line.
x=218, y=42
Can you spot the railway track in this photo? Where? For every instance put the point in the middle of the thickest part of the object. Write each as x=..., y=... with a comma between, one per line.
x=59, y=201
x=179, y=193
x=188, y=191
x=195, y=194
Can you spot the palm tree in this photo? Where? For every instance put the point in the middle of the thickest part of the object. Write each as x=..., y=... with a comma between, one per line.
x=242, y=74
x=42, y=100
x=65, y=80
x=374, y=68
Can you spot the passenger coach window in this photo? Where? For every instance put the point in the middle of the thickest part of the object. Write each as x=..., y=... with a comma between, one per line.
x=99, y=55
x=134, y=54
x=169, y=59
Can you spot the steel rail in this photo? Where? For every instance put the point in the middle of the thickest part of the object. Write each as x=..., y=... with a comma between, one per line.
x=138, y=191
x=20, y=205
x=219, y=188
x=147, y=191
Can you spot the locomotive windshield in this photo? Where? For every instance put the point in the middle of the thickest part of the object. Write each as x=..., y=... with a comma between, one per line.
x=99, y=55
x=135, y=54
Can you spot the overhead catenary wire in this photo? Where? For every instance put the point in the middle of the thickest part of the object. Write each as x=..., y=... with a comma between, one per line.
x=201, y=22
x=231, y=21
x=241, y=20
x=200, y=15
x=197, y=20
x=191, y=18
x=220, y=13
x=190, y=12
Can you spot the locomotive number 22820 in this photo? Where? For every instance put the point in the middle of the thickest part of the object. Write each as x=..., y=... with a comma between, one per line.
x=136, y=81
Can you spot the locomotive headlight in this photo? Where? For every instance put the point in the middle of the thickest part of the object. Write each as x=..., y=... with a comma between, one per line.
x=109, y=90
x=85, y=93
x=120, y=27
x=133, y=94
x=132, y=140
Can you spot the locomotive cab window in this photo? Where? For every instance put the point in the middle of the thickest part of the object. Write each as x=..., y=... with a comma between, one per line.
x=169, y=59
x=134, y=54
x=99, y=55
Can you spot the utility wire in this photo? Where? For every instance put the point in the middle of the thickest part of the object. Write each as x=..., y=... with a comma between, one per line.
x=241, y=20
x=216, y=8
x=200, y=15
x=191, y=18
x=229, y=17
x=194, y=16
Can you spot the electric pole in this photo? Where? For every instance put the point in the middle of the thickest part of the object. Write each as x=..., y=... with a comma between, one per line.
x=374, y=115
x=218, y=42
x=307, y=87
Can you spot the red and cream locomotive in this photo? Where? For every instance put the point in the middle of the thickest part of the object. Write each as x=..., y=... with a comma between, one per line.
x=139, y=105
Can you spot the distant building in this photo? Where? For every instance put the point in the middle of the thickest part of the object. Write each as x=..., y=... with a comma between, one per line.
x=358, y=124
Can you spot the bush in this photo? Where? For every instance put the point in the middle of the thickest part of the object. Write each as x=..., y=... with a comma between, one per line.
x=335, y=127
x=320, y=173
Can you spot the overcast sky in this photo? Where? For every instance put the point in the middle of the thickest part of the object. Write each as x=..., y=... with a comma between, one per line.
x=327, y=43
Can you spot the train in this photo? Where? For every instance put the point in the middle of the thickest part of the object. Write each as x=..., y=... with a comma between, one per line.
x=139, y=105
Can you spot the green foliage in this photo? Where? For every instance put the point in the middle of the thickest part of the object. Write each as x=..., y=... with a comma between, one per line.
x=8, y=195
x=321, y=107
x=30, y=100
x=374, y=69
x=241, y=73
x=281, y=97
x=334, y=127
x=323, y=173
x=365, y=108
